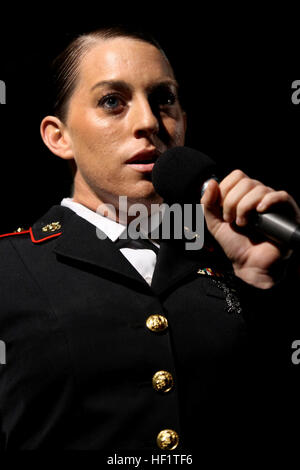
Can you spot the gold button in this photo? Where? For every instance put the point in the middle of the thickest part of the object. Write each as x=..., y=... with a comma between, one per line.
x=167, y=439
x=157, y=323
x=162, y=381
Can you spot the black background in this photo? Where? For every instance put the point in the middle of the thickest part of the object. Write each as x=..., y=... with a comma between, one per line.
x=237, y=98
x=235, y=68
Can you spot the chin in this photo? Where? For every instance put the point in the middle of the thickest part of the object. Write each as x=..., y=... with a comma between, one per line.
x=143, y=191
x=150, y=196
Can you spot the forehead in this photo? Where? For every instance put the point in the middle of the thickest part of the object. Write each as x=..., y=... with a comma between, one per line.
x=123, y=58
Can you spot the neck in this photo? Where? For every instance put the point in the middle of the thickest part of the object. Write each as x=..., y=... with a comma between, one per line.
x=116, y=208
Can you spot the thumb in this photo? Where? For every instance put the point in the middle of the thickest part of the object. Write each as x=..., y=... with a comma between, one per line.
x=211, y=196
x=212, y=207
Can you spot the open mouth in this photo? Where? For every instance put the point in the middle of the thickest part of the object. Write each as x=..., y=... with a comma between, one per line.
x=144, y=160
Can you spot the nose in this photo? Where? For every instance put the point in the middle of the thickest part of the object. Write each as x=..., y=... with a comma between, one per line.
x=145, y=123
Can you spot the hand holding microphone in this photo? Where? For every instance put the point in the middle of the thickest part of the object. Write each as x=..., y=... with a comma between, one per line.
x=238, y=201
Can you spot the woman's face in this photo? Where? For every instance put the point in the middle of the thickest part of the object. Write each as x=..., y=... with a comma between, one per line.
x=125, y=102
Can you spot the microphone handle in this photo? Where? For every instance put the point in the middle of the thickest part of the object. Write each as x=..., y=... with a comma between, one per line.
x=278, y=228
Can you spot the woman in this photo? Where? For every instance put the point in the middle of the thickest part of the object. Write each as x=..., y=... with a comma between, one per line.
x=120, y=349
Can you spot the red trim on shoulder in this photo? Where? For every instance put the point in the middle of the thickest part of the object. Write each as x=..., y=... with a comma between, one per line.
x=31, y=235
x=42, y=239
x=14, y=233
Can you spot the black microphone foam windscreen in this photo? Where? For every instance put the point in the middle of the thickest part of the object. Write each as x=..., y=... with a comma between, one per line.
x=179, y=173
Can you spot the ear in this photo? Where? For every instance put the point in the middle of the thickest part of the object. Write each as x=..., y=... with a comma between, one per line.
x=56, y=137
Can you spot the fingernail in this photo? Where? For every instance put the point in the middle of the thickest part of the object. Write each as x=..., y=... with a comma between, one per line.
x=260, y=206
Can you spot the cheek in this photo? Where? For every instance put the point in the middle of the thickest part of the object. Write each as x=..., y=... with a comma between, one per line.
x=176, y=130
x=94, y=138
x=179, y=136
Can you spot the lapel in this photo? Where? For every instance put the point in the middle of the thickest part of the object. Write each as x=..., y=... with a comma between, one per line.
x=78, y=240
x=174, y=264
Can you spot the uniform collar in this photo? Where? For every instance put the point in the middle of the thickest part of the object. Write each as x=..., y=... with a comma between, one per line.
x=82, y=242
x=112, y=229
x=50, y=225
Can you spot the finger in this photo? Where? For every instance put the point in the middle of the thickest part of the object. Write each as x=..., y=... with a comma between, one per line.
x=230, y=181
x=277, y=197
x=234, y=196
x=249, y=203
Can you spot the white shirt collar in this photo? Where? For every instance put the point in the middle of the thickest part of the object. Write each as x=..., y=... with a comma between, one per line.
x=112, y=229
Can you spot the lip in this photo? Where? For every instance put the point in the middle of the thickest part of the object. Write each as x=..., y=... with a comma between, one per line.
x=146, y=154
x=143, y=155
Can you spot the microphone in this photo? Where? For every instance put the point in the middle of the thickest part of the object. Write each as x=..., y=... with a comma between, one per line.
x=181, y=174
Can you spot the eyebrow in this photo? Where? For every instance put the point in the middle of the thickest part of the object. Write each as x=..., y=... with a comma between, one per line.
x=121, y=84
